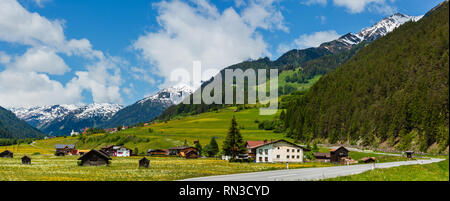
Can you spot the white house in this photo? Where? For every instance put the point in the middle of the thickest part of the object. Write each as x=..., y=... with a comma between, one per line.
x=280, y=151
x=120, y=151
x=74, y=133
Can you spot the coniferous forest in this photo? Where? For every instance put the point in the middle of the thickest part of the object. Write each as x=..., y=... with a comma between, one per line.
x=392, y=93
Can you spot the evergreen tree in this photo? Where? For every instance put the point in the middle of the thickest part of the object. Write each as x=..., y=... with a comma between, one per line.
x=234, y=143
x=198, y=146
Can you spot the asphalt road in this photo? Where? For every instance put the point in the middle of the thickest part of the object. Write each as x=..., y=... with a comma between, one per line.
x=305, y=174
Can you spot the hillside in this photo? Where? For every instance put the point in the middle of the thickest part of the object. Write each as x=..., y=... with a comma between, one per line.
x=300, y=67
x=392, y=93
x=172, y=133
x=13, y=127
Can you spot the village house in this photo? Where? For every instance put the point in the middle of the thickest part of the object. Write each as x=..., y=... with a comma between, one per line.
x=6, y=154
x=191, y=154
x=251, y=147
x=181, y=151
x=117, y=151
x=158, y=152
x=66, y=149
x=94, y=158
x=279, y=151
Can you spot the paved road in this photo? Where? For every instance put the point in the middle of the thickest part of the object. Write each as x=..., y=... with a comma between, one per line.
x=309, y=173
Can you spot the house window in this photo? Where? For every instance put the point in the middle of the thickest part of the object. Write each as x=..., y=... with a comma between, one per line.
x=266, y=151
x=260, y=151
x=278, y=147
x=298, y=156
x=266, y=159
x=260, y=159
x=287, y=155
x=293, y=150
x=278, y=156
x=293, y=157
x=287, y=150
x=298, y=150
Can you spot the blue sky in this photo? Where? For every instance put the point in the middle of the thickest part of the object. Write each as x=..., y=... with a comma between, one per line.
x=117, y=51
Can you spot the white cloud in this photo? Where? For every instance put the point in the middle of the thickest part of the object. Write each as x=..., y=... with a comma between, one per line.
x=311, y=2
x=309, y=40
x=25, y=80
x=199, y=31
x=40, y=3
x=315, y=39
x=42, y=60
x=358, y=6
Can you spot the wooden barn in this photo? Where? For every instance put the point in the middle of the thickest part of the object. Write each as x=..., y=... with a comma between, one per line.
x=26, y=160
x=409, y=154
x=191, y=154
x=322, y=157
x=158, y=152
x=6, y=154
x=144, y=162
x=337, y=155
x=94, y=158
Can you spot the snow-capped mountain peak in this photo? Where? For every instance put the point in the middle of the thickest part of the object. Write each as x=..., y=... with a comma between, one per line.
x=369, y=34
x=171, y=95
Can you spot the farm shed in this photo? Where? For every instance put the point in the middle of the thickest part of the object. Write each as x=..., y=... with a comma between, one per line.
x=94, y=158
x=158, y=152
x=409, y=154
x=368, y=160
x=322, y=157
x=338, y=154
x=144, y=162
x=26, y=160
x=6, y=154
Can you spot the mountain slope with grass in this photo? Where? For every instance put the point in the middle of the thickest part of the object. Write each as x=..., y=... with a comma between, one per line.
x=393, y=93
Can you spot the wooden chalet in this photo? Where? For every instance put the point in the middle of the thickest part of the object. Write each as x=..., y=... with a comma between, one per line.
x=26, y=160
x=94, y=158
x=6, y=154
x=339, y=154
x=117, y=151
x=67, y=149
x=181, y=151
x=144, y=162
x=158, y=152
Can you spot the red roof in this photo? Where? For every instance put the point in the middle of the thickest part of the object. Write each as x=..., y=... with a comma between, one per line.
x=252, y=144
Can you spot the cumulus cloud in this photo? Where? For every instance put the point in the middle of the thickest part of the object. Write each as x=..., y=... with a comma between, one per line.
x=25, y=80
x=358, y=6
x=199, y=32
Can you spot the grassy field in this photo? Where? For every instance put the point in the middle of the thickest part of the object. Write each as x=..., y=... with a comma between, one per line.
x=53, y=168
x=200, y=127
x=429, y=172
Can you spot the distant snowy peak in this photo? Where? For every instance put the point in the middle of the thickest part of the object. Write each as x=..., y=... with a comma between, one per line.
x=372, y=33
x=385, y=26
x=44, y=114
x=171, y=95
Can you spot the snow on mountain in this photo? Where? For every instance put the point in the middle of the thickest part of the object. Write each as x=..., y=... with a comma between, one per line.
x=171, y=95
x=40, y=115
x=372, y=33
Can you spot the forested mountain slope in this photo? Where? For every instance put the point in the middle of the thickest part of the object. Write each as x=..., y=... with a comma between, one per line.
x=393, y=92
x=13, y=127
